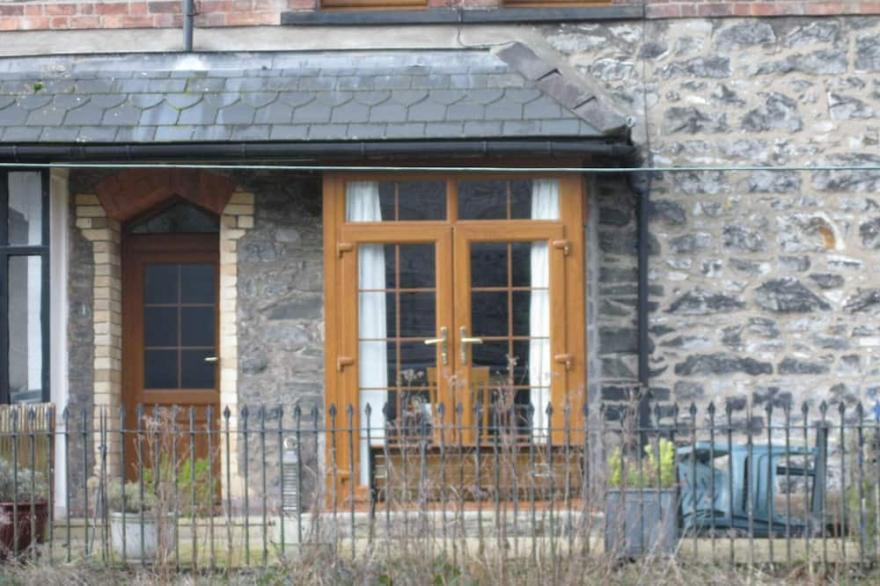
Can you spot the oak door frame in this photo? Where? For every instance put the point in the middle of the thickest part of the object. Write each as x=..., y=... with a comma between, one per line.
x=173, y=248
x=341, y=381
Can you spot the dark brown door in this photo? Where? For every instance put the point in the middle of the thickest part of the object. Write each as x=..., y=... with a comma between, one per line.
x=170, y=342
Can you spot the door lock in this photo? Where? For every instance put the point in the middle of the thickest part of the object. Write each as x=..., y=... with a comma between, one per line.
x=464, y=340
x=443, y=341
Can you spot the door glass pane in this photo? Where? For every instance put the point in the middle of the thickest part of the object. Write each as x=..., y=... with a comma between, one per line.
x=160, y=369
x=197, y=326
x=196, y=372
x=160, y=284
x=25, y=359
x=25, y=209
x=197, y=283
x=510, y=313
x=397, y=305
x=417, y=315
x=160, y=327
x=179, y=326
x=416, y=266
x=519, y=199
x=392, y=201
x=489, y=264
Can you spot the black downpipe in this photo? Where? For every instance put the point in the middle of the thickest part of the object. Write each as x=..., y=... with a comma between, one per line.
x=640, y=183
x=188, y=14
x=307, y=151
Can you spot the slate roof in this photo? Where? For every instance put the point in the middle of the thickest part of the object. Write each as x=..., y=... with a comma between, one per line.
x=301, y=96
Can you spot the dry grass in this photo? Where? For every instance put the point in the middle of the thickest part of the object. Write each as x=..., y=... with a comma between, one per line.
x=320, y=567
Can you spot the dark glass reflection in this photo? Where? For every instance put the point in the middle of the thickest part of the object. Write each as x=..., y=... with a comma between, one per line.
x=417, y=315
x=197, y=326
x=160, y=369
x=160, y=327
x=482, y=200
x=489, y=264
x=489, y=313
x=160, y=283
x=197, y=283
x=195, y=371
x=417, y=266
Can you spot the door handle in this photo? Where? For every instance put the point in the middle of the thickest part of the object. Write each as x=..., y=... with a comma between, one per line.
x=464, y=340
x=210, y=359
x=443, y=341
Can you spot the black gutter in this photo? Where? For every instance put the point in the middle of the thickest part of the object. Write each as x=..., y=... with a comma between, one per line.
x=318, y=150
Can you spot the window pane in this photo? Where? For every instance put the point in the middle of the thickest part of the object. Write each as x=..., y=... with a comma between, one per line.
x=391, y=201
x=160, y=369
x=417, y=266
x=160, y=284
x=489, y=314
x=415, y=360
x=195, y=371
x=25, y=357
x=197, y=326
x=494, y=357
x=417, y=315
x=180, y=218
x=197, y=284
x=160, y=327
x=489, y=264
x=521, y=200
x=25, y=209
x=482, y=200
x=421, y=200
x=522, y=263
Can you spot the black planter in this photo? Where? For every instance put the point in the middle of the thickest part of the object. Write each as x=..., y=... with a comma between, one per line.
x=640, y=522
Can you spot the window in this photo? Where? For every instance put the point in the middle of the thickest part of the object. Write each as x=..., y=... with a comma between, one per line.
x=464, y=290
x=551, y=3
x=24, y=291
x=372, y=4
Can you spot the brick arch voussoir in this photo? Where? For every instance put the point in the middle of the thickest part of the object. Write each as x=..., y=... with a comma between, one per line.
x=132, y=192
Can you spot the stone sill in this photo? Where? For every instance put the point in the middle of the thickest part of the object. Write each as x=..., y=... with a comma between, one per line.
x=446, y=16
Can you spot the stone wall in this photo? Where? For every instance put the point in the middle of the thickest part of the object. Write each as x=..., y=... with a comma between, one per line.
x=280, y=312
x=762, y=283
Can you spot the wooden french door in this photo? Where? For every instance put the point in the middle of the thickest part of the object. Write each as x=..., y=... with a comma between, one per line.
x=170, y=338
x=442, y=306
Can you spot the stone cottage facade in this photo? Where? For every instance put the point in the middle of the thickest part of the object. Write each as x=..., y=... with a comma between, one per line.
x=757, y=285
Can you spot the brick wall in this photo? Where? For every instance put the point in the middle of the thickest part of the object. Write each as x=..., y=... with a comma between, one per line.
x=92, y=14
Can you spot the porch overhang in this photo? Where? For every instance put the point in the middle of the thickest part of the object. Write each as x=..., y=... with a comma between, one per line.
x=308, y=106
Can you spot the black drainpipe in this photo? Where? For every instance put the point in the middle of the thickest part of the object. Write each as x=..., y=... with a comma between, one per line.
x=188, y=13
x=640, y=183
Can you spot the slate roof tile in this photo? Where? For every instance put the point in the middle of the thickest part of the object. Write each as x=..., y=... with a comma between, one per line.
x=51, y=115
x=22, y=134
x=85, y=115
x=238, y=113
x=297, y=96
x=274, y=113
x=202, y=113
x=160, y=115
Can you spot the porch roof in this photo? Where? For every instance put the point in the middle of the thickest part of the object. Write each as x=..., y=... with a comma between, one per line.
x=421, y=95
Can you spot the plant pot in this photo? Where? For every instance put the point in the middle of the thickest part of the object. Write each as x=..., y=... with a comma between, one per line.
x=640, y=522
x=134, y=544
x=21, y=515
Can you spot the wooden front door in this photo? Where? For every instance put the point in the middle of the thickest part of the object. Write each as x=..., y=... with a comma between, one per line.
x=170, y=341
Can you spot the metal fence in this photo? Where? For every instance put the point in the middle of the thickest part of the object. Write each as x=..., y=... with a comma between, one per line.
x=190, y=488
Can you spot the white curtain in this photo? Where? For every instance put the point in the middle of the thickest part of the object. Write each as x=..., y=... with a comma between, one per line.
x=545, y=206
x=362, y=205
